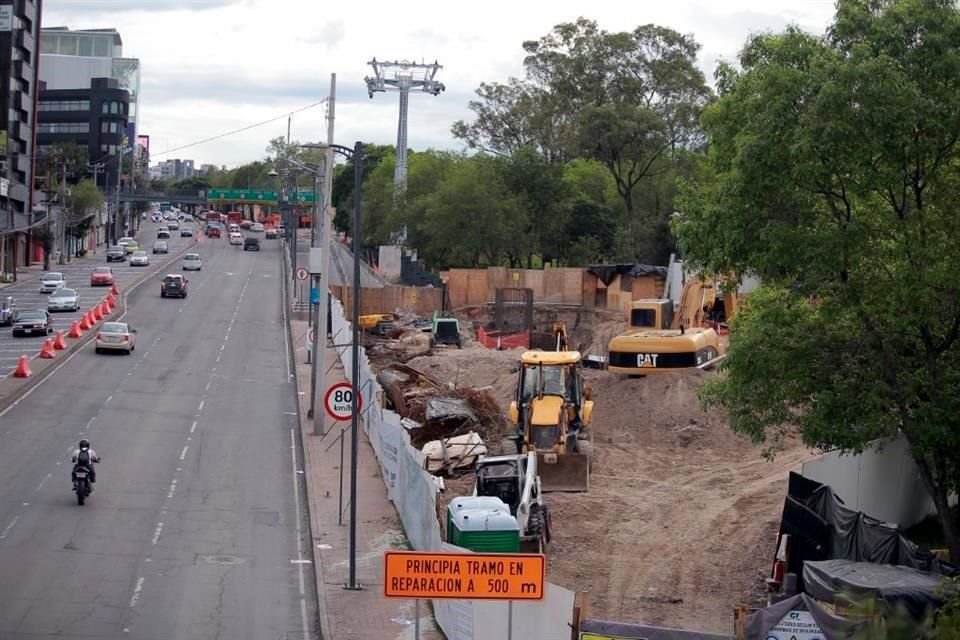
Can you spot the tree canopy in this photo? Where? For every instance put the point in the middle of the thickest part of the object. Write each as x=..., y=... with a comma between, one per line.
x=833, y=175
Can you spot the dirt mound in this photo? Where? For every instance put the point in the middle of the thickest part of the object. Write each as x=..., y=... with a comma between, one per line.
x=680, y=519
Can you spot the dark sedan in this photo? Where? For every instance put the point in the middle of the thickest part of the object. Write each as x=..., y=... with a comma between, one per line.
x=32, y=323
x=116, y=254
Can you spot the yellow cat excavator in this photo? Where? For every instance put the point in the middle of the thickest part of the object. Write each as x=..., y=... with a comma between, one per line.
x=660, y=340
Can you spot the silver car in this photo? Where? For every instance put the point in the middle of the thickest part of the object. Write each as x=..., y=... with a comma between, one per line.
x=116, y=336
x=192, y=262
x=52, y=281
x=139, y=259
x=63, y=300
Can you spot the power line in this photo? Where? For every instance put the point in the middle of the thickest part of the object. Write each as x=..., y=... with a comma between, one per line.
x=236, y=131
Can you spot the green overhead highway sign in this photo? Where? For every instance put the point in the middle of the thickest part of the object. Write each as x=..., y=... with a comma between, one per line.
x=256, y=196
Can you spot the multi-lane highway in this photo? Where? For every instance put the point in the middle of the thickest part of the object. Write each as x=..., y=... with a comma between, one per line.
x=77, y=275
x=197, y=528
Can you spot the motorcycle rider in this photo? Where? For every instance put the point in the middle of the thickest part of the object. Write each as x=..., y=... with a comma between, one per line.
x=86, y=457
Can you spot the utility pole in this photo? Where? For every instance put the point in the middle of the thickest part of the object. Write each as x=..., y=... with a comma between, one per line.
x=320, y=326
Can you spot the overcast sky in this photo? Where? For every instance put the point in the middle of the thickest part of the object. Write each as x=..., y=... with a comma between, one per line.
x=212, y=66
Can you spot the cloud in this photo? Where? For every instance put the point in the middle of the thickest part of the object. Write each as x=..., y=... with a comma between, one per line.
x=211, y=66
x=117, y=6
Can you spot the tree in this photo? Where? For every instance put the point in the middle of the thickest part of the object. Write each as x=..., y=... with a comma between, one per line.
x=834, y=175
x=63, y=160
x=83, y=203
x=632, y=100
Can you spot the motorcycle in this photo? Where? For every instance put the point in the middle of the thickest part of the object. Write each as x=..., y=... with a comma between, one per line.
x=81, y=483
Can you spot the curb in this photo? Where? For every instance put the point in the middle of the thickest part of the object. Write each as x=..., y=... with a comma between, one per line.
x=12, y=397
x=324, y=631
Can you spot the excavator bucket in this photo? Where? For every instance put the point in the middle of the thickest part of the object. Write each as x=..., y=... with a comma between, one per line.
x=563, y=472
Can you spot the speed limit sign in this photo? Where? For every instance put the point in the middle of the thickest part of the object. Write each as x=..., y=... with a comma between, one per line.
x=339, y=401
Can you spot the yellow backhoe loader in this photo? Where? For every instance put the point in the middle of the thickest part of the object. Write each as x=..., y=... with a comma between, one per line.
x=551, y=417
x=659, y=340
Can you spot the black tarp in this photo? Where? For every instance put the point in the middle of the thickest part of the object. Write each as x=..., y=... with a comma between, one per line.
x=834, y=628
x=823, y=528
x=847, y=582
x=606, y=272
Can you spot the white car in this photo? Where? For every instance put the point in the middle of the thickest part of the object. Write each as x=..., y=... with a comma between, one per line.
x=63, y=299
x=116, y=336
x=192, y=262
x=173, y=225
x=52, y=281
x=139, y=259
x=123, y=242
x=236, y=238
x=256, y=227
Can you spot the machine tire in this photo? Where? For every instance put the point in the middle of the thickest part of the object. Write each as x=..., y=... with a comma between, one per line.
x=536, y=525
x=585, y=447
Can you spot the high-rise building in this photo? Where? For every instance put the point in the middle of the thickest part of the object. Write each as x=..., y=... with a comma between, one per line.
x=173, y=170
x=19, y=33
x=71, y=59
x=94, y=118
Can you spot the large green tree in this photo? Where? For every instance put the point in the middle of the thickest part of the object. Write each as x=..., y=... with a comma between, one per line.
x=834, y=175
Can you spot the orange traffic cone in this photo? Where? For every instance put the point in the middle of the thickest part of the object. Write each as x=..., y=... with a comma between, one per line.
x=113, y=301
x=75, y=331
x=114, y=290
x=97, y=313
x=23, y=368
x=58, y=342
x=106, y=304
x=86, y=322
x=47, y=351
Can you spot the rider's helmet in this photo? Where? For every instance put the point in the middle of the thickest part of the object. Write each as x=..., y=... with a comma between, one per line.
x=84, y=444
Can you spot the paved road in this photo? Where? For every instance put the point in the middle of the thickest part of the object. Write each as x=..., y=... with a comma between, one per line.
x=77, y=274
x=197, y=525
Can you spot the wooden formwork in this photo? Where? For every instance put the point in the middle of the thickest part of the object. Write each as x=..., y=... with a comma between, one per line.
x=422, y=301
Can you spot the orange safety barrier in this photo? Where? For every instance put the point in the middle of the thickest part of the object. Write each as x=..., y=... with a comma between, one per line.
x=500, y=341
x=114, y=290
x=97, y=313
x=47, y=352
x=58, y=342
x=75, y=331
x=86, y=322
x=23, y=368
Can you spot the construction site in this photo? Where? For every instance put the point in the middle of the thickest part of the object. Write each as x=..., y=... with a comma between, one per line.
x=648, y=504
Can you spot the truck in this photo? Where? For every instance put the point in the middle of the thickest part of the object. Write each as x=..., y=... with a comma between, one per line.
x=234, y=217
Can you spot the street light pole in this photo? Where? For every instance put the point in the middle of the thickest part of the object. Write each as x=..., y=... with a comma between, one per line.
x=355, y=352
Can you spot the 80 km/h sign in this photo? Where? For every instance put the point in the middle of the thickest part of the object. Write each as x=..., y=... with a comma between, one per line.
x=339, y=401
x=464, y=576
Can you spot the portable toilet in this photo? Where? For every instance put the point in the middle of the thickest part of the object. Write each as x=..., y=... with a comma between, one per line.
x=464, y=503
x=485, y=530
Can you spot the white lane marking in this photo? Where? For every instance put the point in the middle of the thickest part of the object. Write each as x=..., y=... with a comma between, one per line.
x=109, y=398
x=9, y=527
x=209, y=384
x=301, y=562
x=223, y=346
x=44, y=481
x=173, y=487
x=200, y=408
x=218, y=359
x=156, y=532
x=90, y=422
x=193, y=427
x=183, y=454
x=136, y=592
x=296, y=503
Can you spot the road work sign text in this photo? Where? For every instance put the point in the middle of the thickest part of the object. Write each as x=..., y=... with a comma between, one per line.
x=464, y=576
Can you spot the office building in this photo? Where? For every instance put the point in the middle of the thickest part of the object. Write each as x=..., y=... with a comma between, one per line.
x=19, y=33
x=95, y=118
x=71, y=59
x=173, y=170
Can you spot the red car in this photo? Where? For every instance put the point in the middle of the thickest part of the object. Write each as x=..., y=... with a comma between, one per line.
x=102, y=277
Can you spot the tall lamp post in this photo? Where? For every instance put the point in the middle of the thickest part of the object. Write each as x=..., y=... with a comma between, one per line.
x=356, y=154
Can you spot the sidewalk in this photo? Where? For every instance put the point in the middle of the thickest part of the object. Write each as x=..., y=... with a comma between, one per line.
x=350, y=615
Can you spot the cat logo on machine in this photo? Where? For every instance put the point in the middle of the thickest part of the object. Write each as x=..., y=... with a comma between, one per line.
x=647, y=360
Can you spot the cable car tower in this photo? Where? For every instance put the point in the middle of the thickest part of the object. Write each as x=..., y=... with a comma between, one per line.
x=403, y=76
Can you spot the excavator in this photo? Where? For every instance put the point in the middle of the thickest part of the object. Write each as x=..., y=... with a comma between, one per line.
x=551, y=416
x=660, y=339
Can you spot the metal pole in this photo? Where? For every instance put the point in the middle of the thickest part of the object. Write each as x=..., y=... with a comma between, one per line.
x=326, y=241
x=340, y=493
x=355, y=351
x=416, y=620
x=509, y=619
x=319, y=341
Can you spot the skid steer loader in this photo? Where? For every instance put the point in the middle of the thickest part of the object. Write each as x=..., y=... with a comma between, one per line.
x=551, y=418
x=514, y=480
